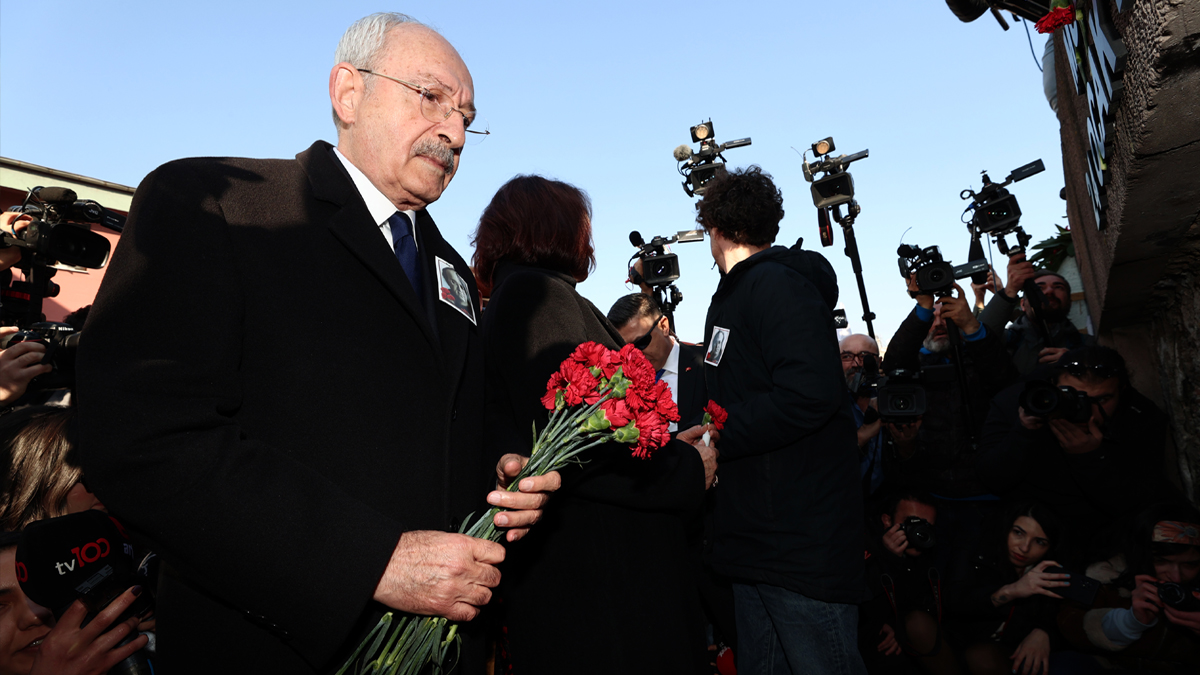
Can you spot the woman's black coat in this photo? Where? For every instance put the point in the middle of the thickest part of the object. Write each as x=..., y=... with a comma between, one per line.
x=601, y=584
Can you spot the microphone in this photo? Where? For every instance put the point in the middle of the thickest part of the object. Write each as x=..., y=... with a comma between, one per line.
x=635, y=238
x=682, y=153
x=55, y=195
x=82, y=556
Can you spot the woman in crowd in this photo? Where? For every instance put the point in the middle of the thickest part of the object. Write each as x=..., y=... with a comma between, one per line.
x=599, y=585
x=1146, y=616
x=1002, y=602
x=40, y=476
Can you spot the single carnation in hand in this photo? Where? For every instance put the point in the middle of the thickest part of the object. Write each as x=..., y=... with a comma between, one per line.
x=715, y=415
x=1055, y=19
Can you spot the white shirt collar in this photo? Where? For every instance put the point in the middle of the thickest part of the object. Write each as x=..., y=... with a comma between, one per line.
x=672, y=364
x=380, y=207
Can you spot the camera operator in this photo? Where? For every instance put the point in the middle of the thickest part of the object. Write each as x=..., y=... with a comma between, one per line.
x=1134, y=621
x=857, y=351
x=1024, y=340
x=938, y=454
x=900, y=625
x=1091, y=471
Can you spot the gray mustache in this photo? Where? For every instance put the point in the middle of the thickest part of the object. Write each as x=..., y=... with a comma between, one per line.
x=438, y=151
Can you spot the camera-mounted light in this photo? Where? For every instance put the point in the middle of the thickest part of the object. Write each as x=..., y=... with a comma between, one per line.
x=702, y=132
x=823, y=146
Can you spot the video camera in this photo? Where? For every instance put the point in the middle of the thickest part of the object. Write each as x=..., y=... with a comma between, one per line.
x=698, y=168
x=57, y=237
x=659, y=268
x=901, y=398
x=1044, y=400
x=996, y=212
x=934, y=274
x=84, y=556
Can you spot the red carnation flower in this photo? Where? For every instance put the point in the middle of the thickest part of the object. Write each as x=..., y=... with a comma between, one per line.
x=595, y=355
x=663, y=404
x=618, y=412
x=653, y=434
x=636, y=367
x=581, y=384
x=1055, y=19
x=715, y=414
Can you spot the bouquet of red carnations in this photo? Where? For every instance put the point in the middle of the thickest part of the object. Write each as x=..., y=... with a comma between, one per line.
x=597, y=395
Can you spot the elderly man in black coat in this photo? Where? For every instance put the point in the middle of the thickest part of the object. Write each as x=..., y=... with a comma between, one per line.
x=273, y=392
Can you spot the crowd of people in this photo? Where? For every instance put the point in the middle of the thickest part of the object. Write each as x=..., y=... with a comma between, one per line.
x=280, y=491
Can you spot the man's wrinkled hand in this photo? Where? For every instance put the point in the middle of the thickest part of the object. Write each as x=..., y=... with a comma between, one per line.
x=956, y=309
x=526, y=504
x=440, y=574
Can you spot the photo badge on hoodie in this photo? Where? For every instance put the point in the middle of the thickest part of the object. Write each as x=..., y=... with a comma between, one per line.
x=452, y=290
x=716, y=346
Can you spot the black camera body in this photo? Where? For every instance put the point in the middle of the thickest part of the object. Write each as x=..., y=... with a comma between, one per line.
x=1044, y=400
x=61, y=341
x=900, y=396
x=934, y=275
x=660, y=268
x=1185, y=598
x=919, y=532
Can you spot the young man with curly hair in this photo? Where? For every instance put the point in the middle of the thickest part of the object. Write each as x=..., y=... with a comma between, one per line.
x=790, y=508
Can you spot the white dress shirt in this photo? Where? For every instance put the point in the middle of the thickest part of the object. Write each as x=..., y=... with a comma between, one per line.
x=671, y=377
x=380, y=207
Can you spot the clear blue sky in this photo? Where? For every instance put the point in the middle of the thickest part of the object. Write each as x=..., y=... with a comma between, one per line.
x=594, y=94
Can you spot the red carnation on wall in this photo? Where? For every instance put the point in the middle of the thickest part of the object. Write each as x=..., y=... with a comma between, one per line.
x=1055, y=19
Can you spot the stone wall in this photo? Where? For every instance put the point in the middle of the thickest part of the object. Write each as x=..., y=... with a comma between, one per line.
x=1140, y=272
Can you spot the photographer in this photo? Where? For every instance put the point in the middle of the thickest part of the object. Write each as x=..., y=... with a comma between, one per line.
x=857, y=351
x=1131, y=623
x=1091, y=471
x=900, y=628
x=1024, y=340
x=938, y=454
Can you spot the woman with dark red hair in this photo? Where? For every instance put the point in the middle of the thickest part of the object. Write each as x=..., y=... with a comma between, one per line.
x=603, y=583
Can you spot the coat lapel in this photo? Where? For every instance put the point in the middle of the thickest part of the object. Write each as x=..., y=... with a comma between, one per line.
x=453, y=329
x=353, y=227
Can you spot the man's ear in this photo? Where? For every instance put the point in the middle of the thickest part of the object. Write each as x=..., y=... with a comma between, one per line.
x=346, y=89
x=886, y=519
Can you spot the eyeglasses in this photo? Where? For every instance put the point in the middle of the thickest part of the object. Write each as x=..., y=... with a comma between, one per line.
x=848, y=357
x=1101, y=370
x=436, y=108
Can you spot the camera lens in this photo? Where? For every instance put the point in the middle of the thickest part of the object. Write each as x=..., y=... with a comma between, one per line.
x=661, y=270
x=937, y=276
x=903, y=402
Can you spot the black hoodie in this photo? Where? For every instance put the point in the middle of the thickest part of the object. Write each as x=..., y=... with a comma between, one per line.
x=788, y=502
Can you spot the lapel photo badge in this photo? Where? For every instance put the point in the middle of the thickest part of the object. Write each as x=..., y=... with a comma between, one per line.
x=452, y=290
x=716, y=346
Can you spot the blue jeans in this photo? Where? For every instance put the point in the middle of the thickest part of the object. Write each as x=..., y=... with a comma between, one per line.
x=781, y=632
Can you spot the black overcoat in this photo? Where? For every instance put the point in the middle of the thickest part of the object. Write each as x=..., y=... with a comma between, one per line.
x=264, y=397
x=602, y=584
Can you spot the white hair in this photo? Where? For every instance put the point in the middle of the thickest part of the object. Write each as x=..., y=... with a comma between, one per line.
x=364, y=43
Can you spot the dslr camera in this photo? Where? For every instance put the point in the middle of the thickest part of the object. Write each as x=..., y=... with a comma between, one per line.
x=934, y=275
x=61, y=341
x=1044, y=400
x=919, y=532
x=1185, y=598
x=901, y=398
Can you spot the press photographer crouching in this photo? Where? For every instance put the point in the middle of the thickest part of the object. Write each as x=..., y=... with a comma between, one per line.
x=1034, y=338
x=1146, y=616
x=900, y=627
x=1084, y=442
x=936, y=451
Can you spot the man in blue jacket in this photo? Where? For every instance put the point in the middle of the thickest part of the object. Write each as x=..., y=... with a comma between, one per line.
x=789, y=507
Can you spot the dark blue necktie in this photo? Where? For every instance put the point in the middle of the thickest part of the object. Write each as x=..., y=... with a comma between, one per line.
x=406, y=251
x=659, y=373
